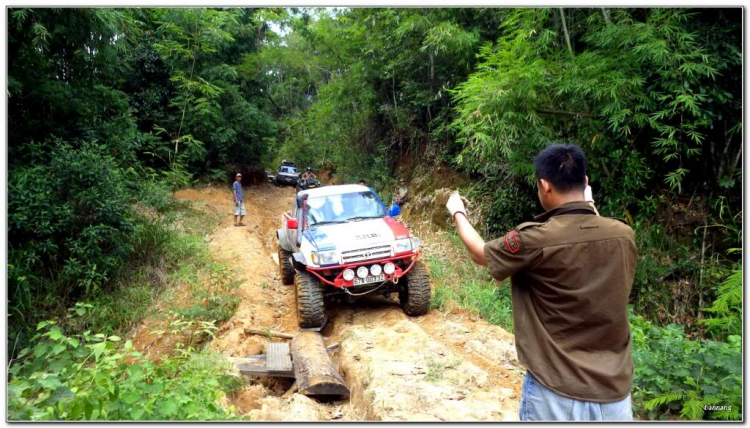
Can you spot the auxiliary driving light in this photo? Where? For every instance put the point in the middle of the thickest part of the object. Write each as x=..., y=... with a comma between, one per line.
x=389, y=268
x=348, y=275
x=362, y=271
x=376, y=270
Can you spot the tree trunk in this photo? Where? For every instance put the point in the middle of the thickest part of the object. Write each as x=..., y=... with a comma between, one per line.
x=314, y=371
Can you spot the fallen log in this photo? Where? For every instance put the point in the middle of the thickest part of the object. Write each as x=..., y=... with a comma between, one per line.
x=313, y=370
x=269, y=333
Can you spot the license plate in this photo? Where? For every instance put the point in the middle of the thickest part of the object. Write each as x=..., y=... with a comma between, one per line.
x=369, y=279
x=311, y=186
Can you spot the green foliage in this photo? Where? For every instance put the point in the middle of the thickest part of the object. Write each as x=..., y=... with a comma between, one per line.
x=72, y=214
x=90, y=377
x=727, y=308
x=352, y=82
x=647, y=75
x=677, y=375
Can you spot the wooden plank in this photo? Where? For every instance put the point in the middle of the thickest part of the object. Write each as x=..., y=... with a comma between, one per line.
x=278, y=358
x=314, y=371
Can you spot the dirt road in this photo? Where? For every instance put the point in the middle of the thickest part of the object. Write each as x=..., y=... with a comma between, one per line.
x=438, y=367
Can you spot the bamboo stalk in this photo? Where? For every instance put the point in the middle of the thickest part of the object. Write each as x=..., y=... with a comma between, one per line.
x=565, y=30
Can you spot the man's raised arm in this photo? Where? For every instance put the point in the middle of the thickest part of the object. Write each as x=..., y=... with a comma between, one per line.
x=469, y=236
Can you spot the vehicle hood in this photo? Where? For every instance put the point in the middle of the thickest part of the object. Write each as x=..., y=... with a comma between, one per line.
x=356, y=234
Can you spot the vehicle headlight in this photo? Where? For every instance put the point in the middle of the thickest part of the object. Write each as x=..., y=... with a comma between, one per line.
x=403, y=245
x=389, y=268
x=416, y=243
x=376, y=270
x=362, y=271
x=348, y=275
x=324, y=257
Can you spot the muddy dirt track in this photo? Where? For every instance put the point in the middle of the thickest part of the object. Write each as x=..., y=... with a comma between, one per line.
x=438, y=367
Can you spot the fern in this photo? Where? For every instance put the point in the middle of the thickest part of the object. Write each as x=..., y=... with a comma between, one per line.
x=692, y=409
x=727, y=307
x=729, y=294
x=662, y=400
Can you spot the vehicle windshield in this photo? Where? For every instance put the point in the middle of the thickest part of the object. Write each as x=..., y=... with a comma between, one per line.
x=342, y=208
x=288, y=170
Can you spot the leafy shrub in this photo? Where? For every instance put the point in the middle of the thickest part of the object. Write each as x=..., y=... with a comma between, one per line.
x=676, y=375
x=156, y=195
x=89, y=377
x=727, y=308
x=70, y=230
x=508, y=207
x=73, y=216
x=666, y=277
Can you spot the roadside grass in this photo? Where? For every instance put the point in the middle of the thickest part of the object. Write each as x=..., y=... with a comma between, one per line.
x=457, y=280
x=77, y=368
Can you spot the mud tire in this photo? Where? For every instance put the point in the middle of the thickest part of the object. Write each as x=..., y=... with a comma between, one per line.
x=310, y=304
x=285, y=267
x=414, y=291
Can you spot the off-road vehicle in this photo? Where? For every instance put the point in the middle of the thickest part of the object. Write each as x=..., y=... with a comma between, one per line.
x=287, y=175
x=341, y=241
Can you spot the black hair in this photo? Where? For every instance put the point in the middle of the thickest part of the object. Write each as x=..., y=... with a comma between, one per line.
x=563, y=165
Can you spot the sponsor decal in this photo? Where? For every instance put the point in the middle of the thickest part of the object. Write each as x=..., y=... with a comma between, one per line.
x=367, y=236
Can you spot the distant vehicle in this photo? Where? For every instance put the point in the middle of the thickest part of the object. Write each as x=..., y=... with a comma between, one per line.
x=287, y=176
x=310, y=183
x=340, y=241
x=286, y=163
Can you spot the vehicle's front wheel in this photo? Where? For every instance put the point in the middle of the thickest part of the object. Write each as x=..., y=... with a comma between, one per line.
x=310, y=306
x=285, y=267
x=414, y=291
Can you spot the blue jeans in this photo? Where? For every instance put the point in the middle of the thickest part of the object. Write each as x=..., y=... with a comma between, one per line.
x=539, y=403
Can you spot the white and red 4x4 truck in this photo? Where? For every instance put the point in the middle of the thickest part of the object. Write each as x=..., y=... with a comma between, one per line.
x=341, y=241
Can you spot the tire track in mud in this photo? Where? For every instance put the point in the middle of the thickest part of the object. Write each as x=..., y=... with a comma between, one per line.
x=438, y=367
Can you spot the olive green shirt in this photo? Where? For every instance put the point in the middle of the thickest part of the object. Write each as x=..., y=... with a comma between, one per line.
x=571, y=274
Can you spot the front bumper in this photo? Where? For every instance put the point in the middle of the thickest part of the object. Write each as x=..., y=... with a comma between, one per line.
x=286, y=180
x=405, y=260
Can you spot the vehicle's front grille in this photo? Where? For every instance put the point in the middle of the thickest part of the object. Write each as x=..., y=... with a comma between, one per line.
x=362, y=254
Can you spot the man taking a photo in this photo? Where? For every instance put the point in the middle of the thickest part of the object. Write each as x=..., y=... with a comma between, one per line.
x=571, y=273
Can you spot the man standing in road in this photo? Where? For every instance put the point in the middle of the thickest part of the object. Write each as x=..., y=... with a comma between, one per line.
x=239, y=207
x=571, y=273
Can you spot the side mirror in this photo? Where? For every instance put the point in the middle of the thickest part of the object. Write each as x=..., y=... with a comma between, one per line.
x=291, y=223
x=394, y=211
